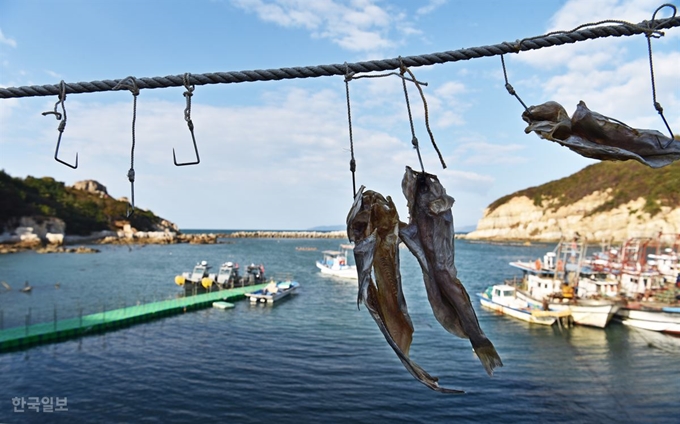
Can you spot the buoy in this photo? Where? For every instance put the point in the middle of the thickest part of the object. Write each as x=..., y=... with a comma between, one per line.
x=206, y=282
x=180, y=280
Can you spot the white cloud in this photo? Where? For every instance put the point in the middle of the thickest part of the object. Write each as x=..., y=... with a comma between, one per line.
x=477, y=151
x=610, y=75
x=593, y=53
x=431, y=6
x=359, y=25
x=8, y=41
x=53, y=74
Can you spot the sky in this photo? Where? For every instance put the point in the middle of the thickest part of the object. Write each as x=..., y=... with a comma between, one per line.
x=275, y=154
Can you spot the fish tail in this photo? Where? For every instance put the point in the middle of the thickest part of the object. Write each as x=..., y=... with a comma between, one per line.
x=489, y=357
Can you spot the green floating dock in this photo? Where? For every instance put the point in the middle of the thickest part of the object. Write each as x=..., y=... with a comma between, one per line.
x=18, y=338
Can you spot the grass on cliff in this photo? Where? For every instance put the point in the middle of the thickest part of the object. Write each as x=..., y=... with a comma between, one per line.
x=81, y=211
x=628, y=180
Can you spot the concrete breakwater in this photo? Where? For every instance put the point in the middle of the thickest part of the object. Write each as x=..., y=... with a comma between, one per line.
x=286, y=234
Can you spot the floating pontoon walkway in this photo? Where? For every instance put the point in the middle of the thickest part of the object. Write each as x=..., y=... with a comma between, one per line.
x=18, y=338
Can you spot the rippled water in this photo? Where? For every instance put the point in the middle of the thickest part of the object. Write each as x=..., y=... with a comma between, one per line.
x=314, y=357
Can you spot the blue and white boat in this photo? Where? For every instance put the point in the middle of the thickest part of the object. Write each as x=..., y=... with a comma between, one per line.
x=503, y=298
x=273, y=292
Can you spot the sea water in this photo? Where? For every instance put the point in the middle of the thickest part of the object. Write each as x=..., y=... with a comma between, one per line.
x=314, y=357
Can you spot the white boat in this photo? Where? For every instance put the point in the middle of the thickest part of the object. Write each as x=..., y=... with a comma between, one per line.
x=661, y=319
x=503, y=298
x=273, y=292
x=335, y=263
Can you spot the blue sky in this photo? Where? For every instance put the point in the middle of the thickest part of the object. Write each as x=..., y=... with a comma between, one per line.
x=275, y=154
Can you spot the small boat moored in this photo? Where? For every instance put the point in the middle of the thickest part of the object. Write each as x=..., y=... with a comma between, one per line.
x=334, y=263
x=503, y=298
x=273, y=292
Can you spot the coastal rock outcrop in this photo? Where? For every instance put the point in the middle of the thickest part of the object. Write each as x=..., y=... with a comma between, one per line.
x=606, y=201
x=92, y=186
x=521, y=219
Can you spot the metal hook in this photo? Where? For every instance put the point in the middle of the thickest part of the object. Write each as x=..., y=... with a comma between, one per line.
x=190, y=124
x=62, y=124
x=131, y=177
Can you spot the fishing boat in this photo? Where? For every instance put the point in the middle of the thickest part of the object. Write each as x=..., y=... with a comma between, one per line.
x=273, y=292
x=503, y=298
x=334, y=263
x=649, y=280
x=562, y=282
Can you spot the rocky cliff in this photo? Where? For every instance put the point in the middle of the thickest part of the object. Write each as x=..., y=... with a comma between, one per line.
x=39, y=211
x=602, y=202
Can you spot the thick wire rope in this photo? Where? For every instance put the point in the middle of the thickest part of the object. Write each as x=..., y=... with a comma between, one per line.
x=533, y=43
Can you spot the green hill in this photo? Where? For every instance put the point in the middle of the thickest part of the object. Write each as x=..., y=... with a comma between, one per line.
x=628, y=180
x=82, y=212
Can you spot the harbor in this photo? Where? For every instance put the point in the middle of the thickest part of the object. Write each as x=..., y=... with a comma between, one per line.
x=285, y=353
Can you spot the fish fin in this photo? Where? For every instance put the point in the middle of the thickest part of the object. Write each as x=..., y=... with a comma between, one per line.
x=441, y=204
x=363, y=258
x=489, y=357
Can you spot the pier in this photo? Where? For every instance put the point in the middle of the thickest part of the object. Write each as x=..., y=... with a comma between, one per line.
x=563, y=318
x=18, y=338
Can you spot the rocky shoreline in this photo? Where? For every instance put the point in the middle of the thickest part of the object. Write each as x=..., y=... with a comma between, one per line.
x=130, y=236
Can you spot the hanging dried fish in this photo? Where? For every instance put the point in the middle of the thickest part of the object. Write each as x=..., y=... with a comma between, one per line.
x=429, y=236
x=596, y=136
x=373, y=225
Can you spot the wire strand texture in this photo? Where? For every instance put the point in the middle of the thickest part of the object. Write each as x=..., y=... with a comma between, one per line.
x=533, y=43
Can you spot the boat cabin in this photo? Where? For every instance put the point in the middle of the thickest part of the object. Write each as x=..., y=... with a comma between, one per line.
x=228, y=273
x=635, y=283
x=200, y=271
x=502, y=292
x=334, y=259
x=597, y=285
